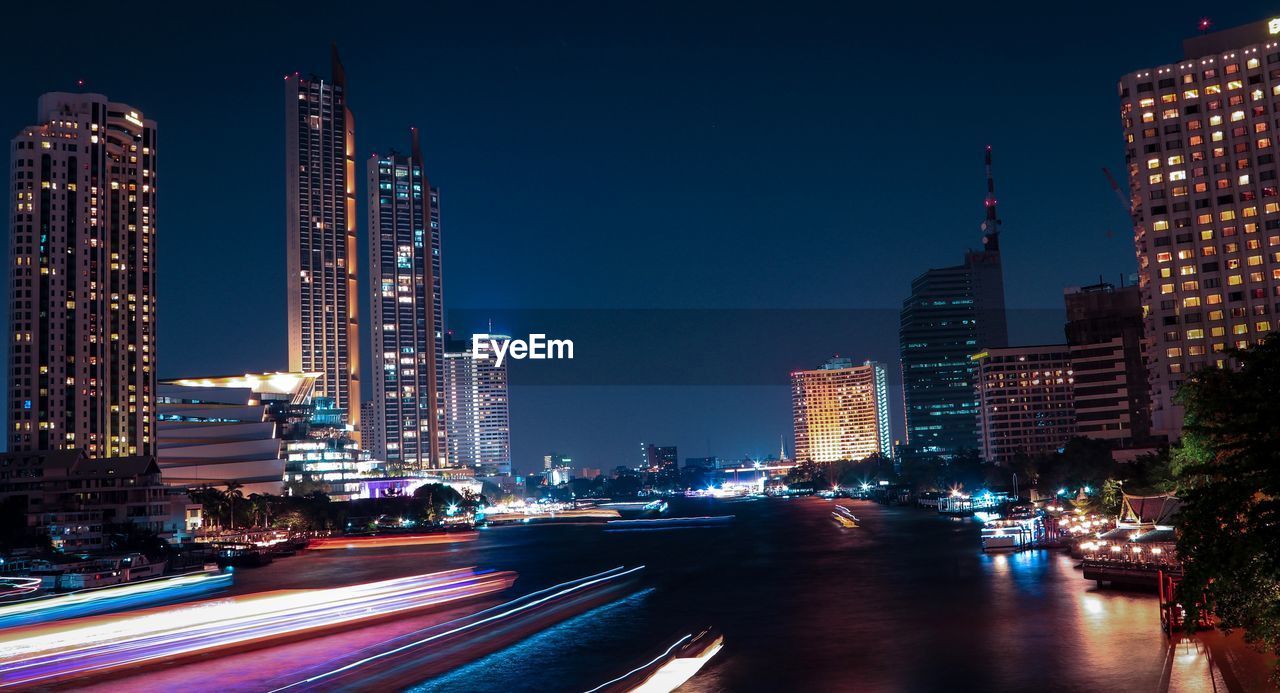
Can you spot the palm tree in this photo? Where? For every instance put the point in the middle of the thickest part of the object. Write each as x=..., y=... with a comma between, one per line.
x=231, y=495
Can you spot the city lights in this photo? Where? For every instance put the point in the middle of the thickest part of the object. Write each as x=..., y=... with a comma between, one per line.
x=41, y=654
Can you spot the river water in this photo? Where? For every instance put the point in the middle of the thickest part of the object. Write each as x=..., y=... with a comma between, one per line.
x=906, y=602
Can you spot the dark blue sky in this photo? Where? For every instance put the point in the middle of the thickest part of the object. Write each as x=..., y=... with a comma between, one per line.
x=634, y=155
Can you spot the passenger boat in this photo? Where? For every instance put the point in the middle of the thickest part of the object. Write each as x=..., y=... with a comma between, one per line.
x=242, y=555
x=1013, y=534
x=101, y=572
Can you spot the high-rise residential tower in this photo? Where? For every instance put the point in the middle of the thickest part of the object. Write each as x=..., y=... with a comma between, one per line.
x=950, y=314
x=477, y=418
x=841, y=412
x=320, y=201
x=408, y=325
x=82, y=363
x=1200, y=138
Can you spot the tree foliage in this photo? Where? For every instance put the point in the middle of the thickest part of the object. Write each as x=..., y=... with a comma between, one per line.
x=1228, y=470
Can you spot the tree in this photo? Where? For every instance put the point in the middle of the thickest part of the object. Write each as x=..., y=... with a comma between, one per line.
x=212, y=502
x=435, y=499
x=130, y=536
x=1112, y=497
x=1228, y=470
x=233, y=494
x=1082, y=462
x=804, y=470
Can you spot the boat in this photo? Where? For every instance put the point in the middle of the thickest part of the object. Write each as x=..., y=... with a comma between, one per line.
x=241, y=555
x=1013, y=534
x=105, y=571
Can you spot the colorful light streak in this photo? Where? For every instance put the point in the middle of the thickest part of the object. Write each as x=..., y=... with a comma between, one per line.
x=389, y=540
x=18, y=586
x=477, y=623
x=677, y=671
x=43, y=654
x=532, y=514
x=667, y=523
x=102, y=600
x=644, y=666
x=671, y=669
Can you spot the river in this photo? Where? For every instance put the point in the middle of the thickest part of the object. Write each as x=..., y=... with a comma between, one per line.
x=906, y=602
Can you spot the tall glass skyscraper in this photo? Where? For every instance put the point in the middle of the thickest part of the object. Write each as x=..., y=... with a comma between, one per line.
x=324, y=332
x=408, y=323
x=952, y=313
x=82, y=363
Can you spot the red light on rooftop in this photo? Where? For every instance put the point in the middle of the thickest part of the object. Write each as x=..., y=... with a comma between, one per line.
x=1205, y=24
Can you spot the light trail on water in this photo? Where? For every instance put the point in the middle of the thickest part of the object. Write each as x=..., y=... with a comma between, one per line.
x=114, y=598
x=56, y=652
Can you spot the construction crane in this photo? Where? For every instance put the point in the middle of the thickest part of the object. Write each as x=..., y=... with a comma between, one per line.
x=1124, y=201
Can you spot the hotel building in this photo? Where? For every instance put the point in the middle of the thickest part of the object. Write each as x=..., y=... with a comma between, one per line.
x=950, y=314
x=1024, y=400
x=82, y=290
x=1200, y=148
x=841, y=412
x=407, y=318
x=477, y=418
x=324, y=335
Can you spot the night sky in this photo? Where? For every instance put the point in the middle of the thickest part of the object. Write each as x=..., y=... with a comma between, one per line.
x=641, y=155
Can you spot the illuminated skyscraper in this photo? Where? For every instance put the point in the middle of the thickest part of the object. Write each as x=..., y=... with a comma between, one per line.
x=324, y=334
x=477, y=418
x=951, y=313
x=841, y=412
x=1200, y=147
x=408, y=326
x=82, y=290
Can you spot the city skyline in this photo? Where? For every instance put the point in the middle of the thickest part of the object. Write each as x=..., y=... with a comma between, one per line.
x=962, y=310
x=190, y=348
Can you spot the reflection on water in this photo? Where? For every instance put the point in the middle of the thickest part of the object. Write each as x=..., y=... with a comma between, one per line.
x=905, y=602
x=553, y=655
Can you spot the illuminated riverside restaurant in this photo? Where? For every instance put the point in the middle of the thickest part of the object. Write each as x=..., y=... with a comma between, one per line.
x=1142, y=545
